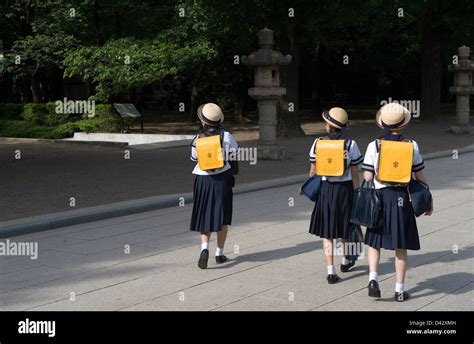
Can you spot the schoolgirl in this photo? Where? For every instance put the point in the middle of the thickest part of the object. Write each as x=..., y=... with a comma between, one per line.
x=212, y=208
x=399, y=231
x=330, y=219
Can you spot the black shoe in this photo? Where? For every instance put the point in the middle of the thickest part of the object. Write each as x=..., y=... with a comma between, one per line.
x=203, y=258
x=374, y=290
x=220, y=259
x=400, y=297
x=332, y=279
x=346, y=267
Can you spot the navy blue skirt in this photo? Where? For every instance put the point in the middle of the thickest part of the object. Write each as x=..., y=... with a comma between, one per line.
x=212, y=207
x=332, y=211
x=399, y=230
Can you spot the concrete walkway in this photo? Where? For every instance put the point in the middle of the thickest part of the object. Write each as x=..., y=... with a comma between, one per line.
x=274, y=263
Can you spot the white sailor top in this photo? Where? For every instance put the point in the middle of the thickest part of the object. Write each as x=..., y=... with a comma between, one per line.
x=228, y=145
x=354, y=157
x=371, y=161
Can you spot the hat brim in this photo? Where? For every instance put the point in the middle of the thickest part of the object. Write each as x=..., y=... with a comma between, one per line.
x=207, y=121
x=405, y=122
x=328, y=121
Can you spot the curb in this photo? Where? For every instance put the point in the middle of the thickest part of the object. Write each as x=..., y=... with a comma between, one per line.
x=144, y=146
x=73, y=217
x=69, y=142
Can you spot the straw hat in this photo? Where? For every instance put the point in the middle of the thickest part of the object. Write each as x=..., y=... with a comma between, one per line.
x=393, y=115
x=210, y=114
x=336, y=117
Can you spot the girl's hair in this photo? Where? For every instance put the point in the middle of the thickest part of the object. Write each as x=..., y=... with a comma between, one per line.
x=394, y=132
x=333, y=129
x=207, y=127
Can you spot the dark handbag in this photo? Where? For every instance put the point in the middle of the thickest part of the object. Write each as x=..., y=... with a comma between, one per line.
x=420, y=197
x=311, y=187
x=367, y=207
x=355, y=242
x=234, y=167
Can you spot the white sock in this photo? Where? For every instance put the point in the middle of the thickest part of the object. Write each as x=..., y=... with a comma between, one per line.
x=219, y=251
x=204, y=246
x=374, y=276
x=331, y=270
x=399, y=287
x=345, y=261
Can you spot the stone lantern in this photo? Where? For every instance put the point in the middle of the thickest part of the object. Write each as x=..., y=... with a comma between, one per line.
x=462, y=88
x=267, y=92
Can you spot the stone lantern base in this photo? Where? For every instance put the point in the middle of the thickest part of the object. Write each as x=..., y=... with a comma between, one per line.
x=271, y=151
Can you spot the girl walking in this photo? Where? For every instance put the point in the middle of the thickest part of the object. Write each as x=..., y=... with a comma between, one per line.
x=212, y=208
x=330, y=219
x=399, y=231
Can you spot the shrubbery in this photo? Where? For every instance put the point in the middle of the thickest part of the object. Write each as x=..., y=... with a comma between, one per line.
x=25, y=129
x=44, y=114
x=11, y=111
x=41, y=121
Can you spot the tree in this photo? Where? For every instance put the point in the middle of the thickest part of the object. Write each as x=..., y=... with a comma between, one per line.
x=126, y=63
x=33, y=57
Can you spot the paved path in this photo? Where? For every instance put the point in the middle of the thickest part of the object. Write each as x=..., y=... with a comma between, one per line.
x=274, y=263
x=48, y=175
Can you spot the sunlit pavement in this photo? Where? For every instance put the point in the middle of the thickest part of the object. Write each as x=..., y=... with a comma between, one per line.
x=148, y=261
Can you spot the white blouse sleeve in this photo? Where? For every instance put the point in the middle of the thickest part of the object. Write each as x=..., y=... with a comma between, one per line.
x=312, y=153
x=193, y=156
x=354, y=154
x=369, y=159
x=418, y=163
x=230, y=142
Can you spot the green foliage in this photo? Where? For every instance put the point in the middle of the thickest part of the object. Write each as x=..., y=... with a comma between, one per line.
x=11, y=111
x=43, y=114
x=36, y=54
x=39, y=123
x=34, y=113
x=64, y=130
x=105, y=110
x=23, y=129
x=105, y=120
x=122, y=64
x=38, y=120
x=121, y=44
x=99, y=125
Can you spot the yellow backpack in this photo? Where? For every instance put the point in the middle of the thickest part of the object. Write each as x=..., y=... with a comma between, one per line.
x=330, y=157
x=395, y=161
x=209, y=152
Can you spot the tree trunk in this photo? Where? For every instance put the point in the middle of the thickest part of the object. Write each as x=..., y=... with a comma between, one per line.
x=315, y=94
x=431, y=69
x=194, y=92
x=238, y=96
x=96, y=21
x=35, y=86
x=289, y=125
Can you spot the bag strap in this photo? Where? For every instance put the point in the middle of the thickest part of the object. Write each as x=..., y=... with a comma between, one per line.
x=210, y=133
x=370, y=184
